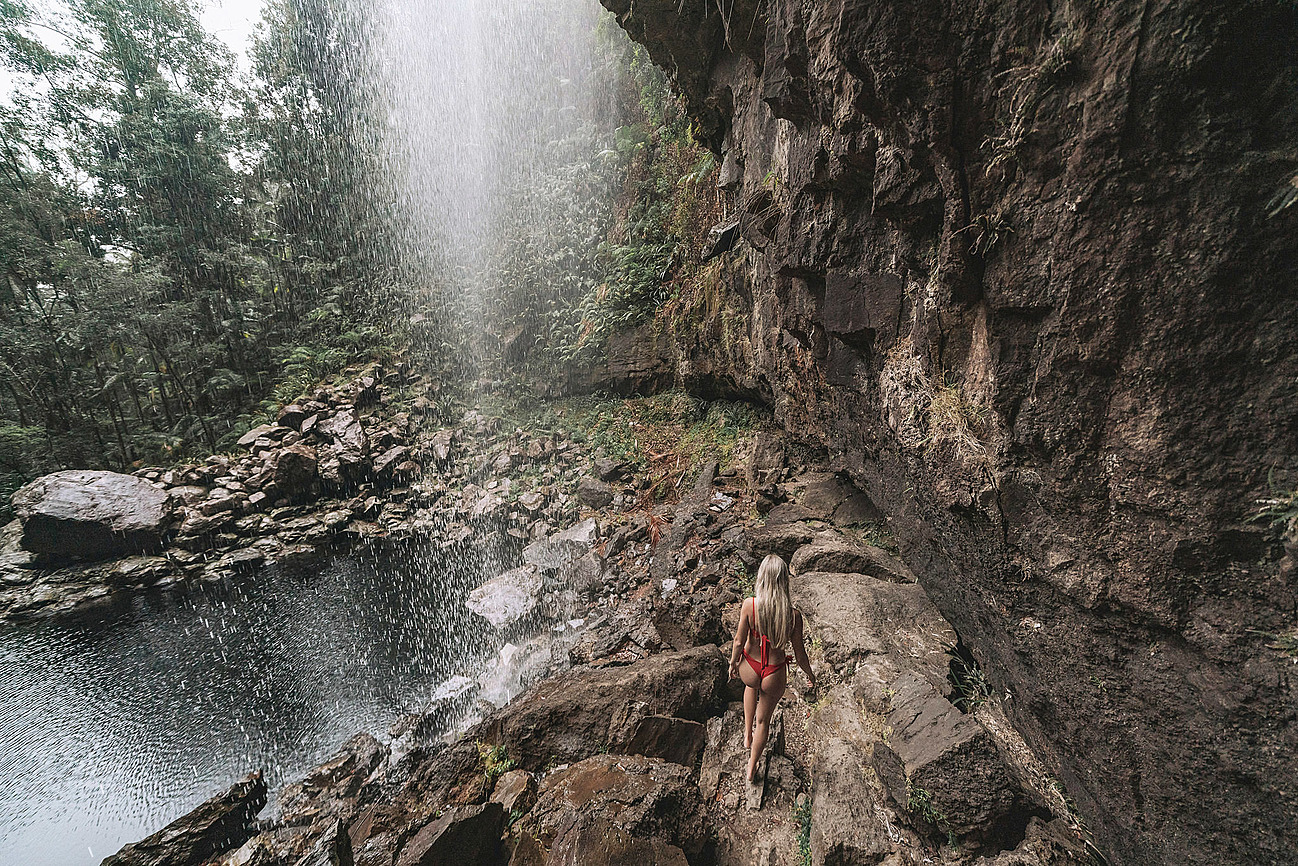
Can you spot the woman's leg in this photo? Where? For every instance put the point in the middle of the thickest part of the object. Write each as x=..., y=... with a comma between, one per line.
x=750, y=709
x=771, y=692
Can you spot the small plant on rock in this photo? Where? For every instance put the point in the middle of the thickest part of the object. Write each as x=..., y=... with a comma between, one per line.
x=1277, y=509
x=802, y=818
x=495, y=763
x=919, y=802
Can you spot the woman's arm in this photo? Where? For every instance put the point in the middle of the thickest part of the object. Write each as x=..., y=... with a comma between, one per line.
x=800, y=649
x=741, y=638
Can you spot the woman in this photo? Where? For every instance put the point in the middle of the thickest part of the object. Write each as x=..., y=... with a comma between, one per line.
x=766, y=623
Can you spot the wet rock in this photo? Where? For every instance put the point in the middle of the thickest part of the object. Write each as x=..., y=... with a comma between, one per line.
x=292, y=416
x=516, y=791
x=88, y=514
x=593, y=709
x=218, y=825
x=390, y=459
x=440, y=444
x=333, y=848
x=585, y=574
x=560, y=549
x=506, y=599
x=295, y=469
x=258, y=432
x=831, y=552
x=612, y=810
x=466, y=836
x=347, y=450
x=594, y=493
x=533, y=501
x=330, y=790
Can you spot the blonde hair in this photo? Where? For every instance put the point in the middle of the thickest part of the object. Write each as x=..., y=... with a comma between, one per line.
x=771, y=600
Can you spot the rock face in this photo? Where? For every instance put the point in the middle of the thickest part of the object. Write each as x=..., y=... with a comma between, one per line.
x=616, y=809
x=218, y=825
x=88, y=514
x=1012, y=262
x=613, y=708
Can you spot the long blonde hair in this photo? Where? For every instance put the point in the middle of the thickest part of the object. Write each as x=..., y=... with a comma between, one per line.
x=771, y=600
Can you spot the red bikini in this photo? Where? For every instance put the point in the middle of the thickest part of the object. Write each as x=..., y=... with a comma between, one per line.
x=764, y=669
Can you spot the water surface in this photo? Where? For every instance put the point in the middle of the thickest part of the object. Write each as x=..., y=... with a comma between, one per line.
x=116, y=722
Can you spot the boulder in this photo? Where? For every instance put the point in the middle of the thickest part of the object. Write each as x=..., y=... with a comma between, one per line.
x=831, y=552
x=559, y=550
x=216, y=826
x=250, y=438
x=609, y=469
x=90, y=514
x=516, y=791
x=766, y=458
x=591, y=710
x=292, y=416
x=781, y=538
x=504, y=600
x=333, y=848
x=859, y=618
x=295, y=469
x=390, y=459
x=612, y=810
x=348, y=448
x=955, y=775
x=467, y=836
x=330, y=790
x=845, y=806
x=594, y=493
x=626, y=634
x=679, y=741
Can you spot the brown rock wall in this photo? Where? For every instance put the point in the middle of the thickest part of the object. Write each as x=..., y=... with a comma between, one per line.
x=1010, y=262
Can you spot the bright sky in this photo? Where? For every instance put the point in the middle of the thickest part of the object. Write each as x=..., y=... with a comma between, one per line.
x=232, y=21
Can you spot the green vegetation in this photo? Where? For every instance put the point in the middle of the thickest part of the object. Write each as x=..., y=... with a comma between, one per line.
x=495, y=763
x=179, y=244
x=185, y=246
x=1279, y=508
x=1023, y=88
x=1285, y=643
x=919, y=802
x=666, y=204
x=802, y=818
x=971, y=687
x=665, y=437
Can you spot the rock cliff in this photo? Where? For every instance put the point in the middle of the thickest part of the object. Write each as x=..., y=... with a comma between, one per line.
x=1011, y=263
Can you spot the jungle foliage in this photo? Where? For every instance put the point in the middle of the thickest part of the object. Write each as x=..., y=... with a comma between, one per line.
x=185, y=246
x=177, y=240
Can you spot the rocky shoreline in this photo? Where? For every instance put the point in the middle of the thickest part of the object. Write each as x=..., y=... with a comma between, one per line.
x=634, y=753
x=348, y=464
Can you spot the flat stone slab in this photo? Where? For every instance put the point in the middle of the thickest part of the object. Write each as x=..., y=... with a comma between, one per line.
x=504, y=600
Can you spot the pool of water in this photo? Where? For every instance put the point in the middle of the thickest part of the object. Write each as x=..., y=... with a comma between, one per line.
x=115, y=722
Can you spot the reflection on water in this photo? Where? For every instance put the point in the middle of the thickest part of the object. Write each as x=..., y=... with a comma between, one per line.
x=115, y=723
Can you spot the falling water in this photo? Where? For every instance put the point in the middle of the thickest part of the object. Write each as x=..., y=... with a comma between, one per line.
x=116, y=722
x=484, y=103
